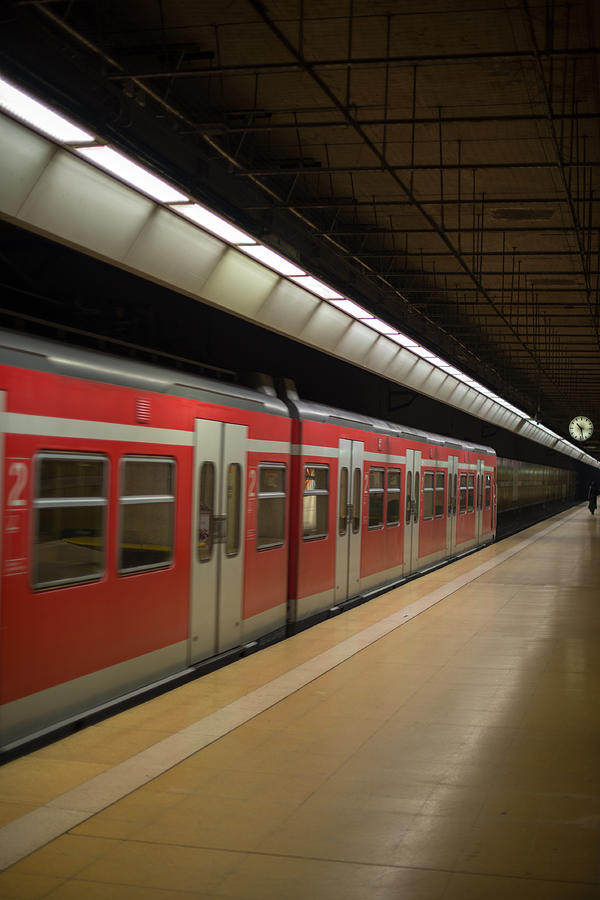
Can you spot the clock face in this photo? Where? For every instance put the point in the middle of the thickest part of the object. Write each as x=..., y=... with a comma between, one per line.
x=580, y=428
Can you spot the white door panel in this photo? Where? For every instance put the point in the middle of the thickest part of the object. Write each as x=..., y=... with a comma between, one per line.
x=348, y=522
x=479, y=501
x=231, y=585
x=412, y=512
x=217, y=537
x=451, y=504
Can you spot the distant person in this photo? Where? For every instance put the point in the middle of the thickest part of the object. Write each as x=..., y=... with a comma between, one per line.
x=592, y=497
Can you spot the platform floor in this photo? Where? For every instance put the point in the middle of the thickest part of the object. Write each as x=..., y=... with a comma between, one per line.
x=440, y=741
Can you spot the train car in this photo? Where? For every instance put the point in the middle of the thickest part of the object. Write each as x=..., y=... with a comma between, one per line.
x=377, y=502
x=117, y=567
x=153, y=520
x=522, y=484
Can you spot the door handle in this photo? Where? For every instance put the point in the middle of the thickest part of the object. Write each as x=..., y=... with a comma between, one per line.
x=219, y=529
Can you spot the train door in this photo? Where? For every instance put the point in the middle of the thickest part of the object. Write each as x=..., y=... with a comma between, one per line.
x=479, y=501
x=412, y=511
x=218, y=507
x=348, y=541
x=452, y=488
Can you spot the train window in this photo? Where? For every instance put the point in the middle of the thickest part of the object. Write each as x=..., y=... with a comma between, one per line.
x=376, y=492
x=315, y=506
x=343, y=502
x=206, y=511
x=357, y=498
x=270, y=527
x=463, y=494
x=234, y=495
x=392, y=515
x=471, y=494
x=416, y=496
x=439, y=495
x=147, y=513
x=488, y=490
x=451, y=493
x=428, y=495
x=69, y=519
x=408, y=496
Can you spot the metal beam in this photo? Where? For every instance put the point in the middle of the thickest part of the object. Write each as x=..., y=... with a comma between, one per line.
x=544, y=273
x=351, y=203
x=434, y=167
x=344, y=63
x=368, y=254
x=226, y=127
x=365, y=231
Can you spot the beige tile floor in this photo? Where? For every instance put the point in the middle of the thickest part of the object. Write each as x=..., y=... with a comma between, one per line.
x=455, y=757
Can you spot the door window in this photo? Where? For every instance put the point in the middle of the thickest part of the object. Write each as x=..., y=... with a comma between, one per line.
x=356, y=500
x=343, y=502
x=234, y=492
x=463, y=494
x=206, y=511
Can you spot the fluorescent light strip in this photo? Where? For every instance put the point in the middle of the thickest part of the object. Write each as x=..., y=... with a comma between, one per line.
x=353, y=309
x=422, y=352
x=380, y=326
x=273, y=260
x=132, y=173
x=39, y=116
x=403, y=340
x=317, y=287
x=210, y=221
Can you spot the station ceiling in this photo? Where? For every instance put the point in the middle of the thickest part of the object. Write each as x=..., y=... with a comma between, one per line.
x=438, y=161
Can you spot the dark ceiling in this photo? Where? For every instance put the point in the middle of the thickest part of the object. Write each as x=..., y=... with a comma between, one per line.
x=438, y=160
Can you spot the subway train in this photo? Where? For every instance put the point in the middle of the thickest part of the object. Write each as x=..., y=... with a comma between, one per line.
x=154, y=520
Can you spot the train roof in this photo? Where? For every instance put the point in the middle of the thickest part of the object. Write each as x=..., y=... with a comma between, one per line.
x=320, y=412
x=47, y=355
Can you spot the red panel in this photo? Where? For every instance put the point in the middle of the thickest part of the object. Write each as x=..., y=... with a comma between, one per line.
x=51, y=636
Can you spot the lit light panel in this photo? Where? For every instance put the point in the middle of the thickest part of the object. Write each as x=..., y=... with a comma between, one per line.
x=422, y=352
x=272, y=260
x=403, y=340
x=317, y=287
x=39, y=116
x=353, y=309
x=380, y=326
x=456, y=373
x=132, y=173
x=213, y=223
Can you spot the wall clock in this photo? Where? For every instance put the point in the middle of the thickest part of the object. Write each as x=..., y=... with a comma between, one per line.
x=581, y=428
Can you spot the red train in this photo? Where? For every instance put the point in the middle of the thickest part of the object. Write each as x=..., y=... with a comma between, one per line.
x=154, y=519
